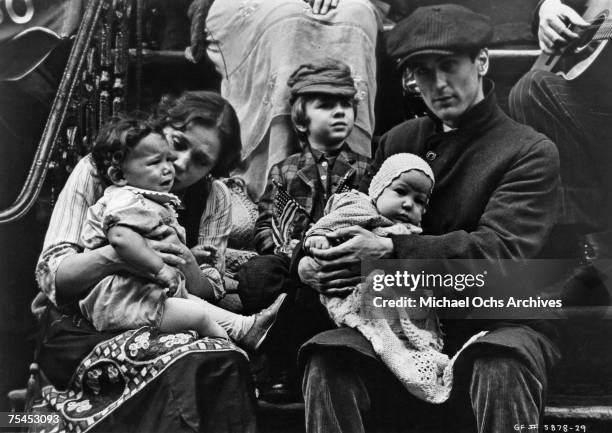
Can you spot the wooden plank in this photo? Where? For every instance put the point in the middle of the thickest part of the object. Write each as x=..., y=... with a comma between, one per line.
x=598, y=413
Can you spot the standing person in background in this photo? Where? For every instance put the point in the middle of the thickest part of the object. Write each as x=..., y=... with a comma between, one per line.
x=256, y=46
x=577, y=116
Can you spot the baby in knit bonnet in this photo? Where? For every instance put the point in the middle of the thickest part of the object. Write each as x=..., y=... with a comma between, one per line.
x=395, y=204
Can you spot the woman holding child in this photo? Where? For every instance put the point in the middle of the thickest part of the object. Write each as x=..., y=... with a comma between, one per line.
x=178, y=369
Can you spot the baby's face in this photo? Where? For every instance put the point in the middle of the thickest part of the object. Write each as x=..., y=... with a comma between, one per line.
x=149, y=164
x=405, y=199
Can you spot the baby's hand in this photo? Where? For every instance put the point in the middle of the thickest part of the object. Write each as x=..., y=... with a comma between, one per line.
x=168, y=277
x=320, y=242
x=414, y=230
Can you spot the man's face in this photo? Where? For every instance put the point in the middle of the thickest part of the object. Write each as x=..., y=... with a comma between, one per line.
x=450, y=84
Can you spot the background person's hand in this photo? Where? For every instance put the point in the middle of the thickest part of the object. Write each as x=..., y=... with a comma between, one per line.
x=322, y=6
x=553, y=31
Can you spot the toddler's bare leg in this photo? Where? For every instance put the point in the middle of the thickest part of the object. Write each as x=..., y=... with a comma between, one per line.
x=183, y=314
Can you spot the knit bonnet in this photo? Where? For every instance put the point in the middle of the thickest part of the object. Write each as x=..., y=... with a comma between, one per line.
x=393, y=167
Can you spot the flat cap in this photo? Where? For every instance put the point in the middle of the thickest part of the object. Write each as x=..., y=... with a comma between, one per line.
x=440, y=29
x=326, y=76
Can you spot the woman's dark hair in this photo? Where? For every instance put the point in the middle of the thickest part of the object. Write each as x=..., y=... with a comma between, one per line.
x=115, y=139
x=211, y=110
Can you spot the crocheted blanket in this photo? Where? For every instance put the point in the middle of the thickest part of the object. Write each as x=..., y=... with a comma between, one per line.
x=115, y=371
x=416, y=359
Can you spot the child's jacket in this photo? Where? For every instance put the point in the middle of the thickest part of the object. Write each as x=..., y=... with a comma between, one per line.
x=300, y=178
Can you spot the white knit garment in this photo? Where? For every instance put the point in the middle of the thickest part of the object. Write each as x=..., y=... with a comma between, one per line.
x=418, y=363
x=393, y=167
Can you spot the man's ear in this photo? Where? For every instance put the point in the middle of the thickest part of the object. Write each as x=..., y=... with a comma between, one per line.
x=116, y=176
x=482, y=62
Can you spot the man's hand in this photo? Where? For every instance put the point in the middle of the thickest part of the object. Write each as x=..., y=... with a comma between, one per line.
x=553, y=32
x=358, y=244
x=321, y=7
x=331, y=279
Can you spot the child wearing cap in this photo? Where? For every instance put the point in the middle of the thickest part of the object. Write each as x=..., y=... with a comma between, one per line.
x=323, y=106
x=409, y=344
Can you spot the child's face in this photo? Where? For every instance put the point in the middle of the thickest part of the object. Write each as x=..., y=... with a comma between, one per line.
x=330, y=119
x=149, y=165
x=405, y=199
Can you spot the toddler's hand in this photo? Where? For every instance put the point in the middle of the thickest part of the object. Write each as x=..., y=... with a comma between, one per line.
x=205, y=254
x=319, y=242
x=168, y=277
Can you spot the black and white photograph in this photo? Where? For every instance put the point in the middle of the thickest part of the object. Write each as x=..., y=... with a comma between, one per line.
x=305, y=216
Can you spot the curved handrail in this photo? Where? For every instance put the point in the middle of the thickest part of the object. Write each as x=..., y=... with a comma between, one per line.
x=38, y=171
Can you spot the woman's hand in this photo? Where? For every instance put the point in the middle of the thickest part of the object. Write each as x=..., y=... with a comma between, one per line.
x=168, y=277
x=172, y=251
x=554, y=32
x=321, y=7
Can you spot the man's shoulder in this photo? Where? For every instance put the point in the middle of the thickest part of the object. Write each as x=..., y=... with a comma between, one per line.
x=524, y=137
x=411, y=126
x=407, y=136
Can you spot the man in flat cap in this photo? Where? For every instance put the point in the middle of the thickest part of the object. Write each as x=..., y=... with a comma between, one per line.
x=495, y=198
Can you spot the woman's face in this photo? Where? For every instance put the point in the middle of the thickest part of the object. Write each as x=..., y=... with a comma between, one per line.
x=197, y=151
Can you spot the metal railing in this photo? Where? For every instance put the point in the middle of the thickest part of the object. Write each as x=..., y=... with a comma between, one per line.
x=93, y=87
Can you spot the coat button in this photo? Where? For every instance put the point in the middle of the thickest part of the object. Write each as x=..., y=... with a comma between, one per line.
x=431, y=155
x=324, y=163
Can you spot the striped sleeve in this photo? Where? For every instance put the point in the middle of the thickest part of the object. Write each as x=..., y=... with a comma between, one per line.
x=63, y=238
x=215, y=227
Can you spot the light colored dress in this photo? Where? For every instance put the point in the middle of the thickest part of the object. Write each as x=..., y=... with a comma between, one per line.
x=124, y=300
x=257, y=44
x=82, y=189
